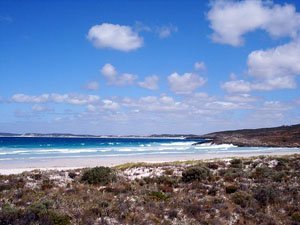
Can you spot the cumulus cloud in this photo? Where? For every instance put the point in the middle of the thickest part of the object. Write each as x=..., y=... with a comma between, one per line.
x=110, y=105
x=150, y=82
x=186, y=83
x=237, y=86
x=22, y=98
x=113, y=78
x=270, y=69
x=230, y=20
x=276, y=66
x=114, y=36
x=109, y=71
x=199, y=66
x=74, y=99
x=92, y=85
x=166, y=31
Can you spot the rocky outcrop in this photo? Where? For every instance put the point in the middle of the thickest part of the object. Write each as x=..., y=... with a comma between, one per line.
x=284, y=136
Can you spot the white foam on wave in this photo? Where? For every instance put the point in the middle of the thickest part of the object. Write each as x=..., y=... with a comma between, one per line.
x=13, y=152
x=214, y=146
x=183, y=143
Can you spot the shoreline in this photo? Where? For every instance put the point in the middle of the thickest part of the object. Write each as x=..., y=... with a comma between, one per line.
x=19, y=166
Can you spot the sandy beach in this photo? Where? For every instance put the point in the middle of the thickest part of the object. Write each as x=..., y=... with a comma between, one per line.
x=19, y=166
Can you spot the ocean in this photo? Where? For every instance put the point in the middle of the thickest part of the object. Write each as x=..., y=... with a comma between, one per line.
x=22, y=148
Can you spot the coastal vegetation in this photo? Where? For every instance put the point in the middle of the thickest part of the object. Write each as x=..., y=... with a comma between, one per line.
x=258, y=190
x=283, y=136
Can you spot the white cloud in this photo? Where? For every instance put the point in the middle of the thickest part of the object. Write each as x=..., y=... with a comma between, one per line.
x=274, y=106
x=125, y=79
x=92, y=85
x=166, y=31
x=74, y=99
x=22, y=98
x=241, y=98
x=225, y=105
x=159, y=104
x=150, y=82
x=91, y=108
x=40, y=108
x=271, y=69
x=109, y=71
x=115, y=36
x=276, y=67
x=230, y=20
x=186, y=83
x=113, y=78
x=199, y=66
x=237, y=86
x=139, y=27
x=110, y=105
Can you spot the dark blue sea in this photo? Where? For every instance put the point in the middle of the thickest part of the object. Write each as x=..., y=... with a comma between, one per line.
x=22, y=148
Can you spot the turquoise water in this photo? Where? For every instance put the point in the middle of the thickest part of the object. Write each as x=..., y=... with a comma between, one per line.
x=22, y=148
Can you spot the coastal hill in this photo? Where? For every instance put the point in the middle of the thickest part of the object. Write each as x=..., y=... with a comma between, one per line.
x=283, y=136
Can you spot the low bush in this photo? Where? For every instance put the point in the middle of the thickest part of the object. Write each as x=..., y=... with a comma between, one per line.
x=262, y=173
x=296, y=217
x=231, y=174
x=38, y=213
x=264, y=195
x=158, y=195
x=172, y=214
x=99, y=175
x=279, y=176
x=212, y=165
x=231, y=189
x=196, y=173
x=72, y=175
x=236, y=163
x=241, y=198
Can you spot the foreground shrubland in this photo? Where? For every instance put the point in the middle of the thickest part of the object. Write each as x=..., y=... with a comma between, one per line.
x=263, y=190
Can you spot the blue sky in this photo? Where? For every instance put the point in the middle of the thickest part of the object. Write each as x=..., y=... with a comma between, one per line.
x=143, y=67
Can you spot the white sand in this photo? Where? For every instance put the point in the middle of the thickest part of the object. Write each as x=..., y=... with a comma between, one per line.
x=19, y=166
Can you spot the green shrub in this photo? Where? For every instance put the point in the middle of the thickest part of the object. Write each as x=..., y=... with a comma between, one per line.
x=236, y=163
x=9, y=215
x=99, y=175
x=241, y=198
x=58, y=218
x=72, y=175
x=231, y=189
x=196, y=173
x=296, y=217
x=265, y=195
x=212, y=165
x=4, y=187
x=261, y=173
x=172, y=214
x=47, y=184
x=158, y=195
x=38, y=213
x=231, y=173
x=279, y=176
x=43, y=212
